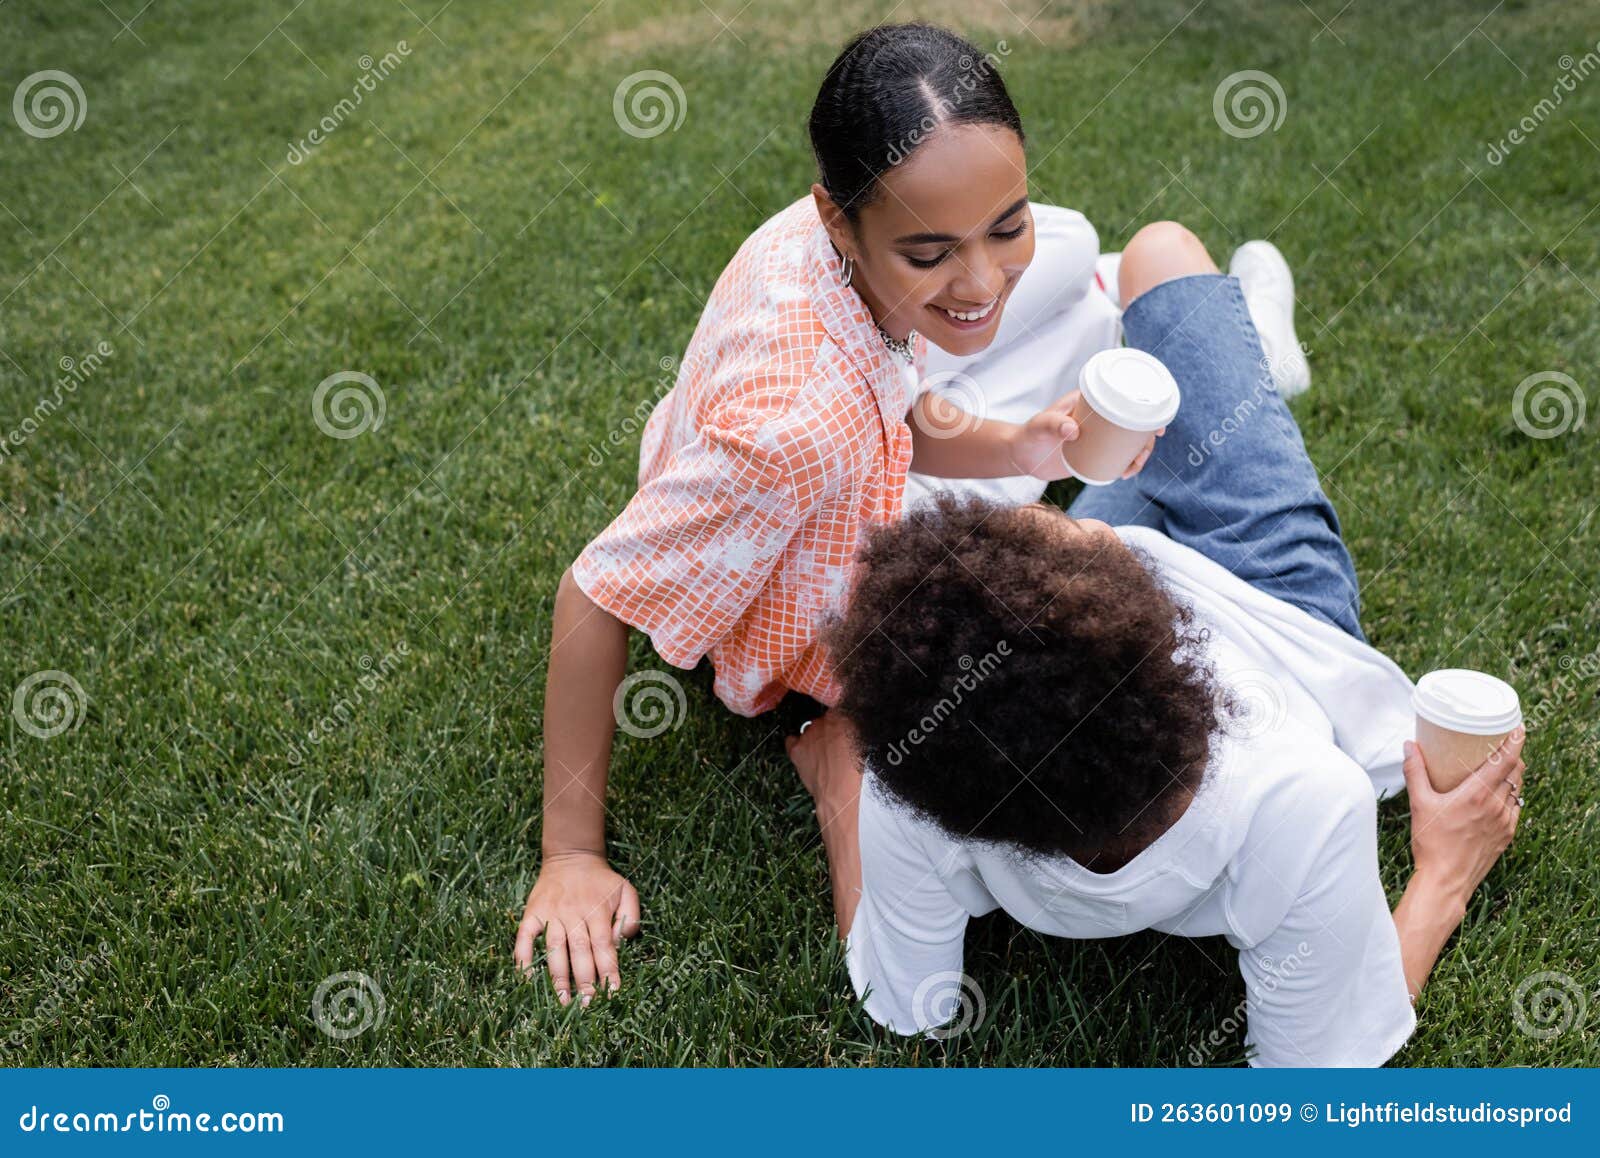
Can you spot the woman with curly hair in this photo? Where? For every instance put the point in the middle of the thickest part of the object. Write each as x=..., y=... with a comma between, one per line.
x=1174, y=724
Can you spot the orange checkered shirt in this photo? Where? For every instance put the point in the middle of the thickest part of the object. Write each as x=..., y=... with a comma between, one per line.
x=783, y=438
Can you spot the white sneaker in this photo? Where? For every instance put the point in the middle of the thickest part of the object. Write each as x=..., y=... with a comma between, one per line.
x=1269, y=293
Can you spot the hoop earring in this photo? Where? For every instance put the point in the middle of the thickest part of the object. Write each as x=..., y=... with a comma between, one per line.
x=847, y=269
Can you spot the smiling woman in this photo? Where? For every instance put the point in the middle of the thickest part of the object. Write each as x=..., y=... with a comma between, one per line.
x=940, y=162
x=786, y=437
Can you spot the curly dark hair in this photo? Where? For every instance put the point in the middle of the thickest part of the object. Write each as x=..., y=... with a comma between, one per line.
x=1016, y=683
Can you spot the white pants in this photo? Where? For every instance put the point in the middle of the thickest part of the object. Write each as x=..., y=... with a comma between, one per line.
x=1055, y=319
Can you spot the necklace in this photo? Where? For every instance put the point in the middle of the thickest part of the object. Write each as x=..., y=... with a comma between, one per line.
x=901, y=347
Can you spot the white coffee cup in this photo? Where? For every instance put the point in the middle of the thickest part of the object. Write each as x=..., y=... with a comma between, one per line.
x=1462, y=716
x=1125, y=394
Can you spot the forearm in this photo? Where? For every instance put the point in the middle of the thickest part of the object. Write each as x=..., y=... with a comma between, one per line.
x=841, y=839
x=960, y=445
x=1425, y=918
x=588, y=656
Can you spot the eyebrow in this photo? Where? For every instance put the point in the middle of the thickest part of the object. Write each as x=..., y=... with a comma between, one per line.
x=938, y=238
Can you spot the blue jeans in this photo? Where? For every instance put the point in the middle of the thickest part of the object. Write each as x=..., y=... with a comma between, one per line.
x=1231, y=477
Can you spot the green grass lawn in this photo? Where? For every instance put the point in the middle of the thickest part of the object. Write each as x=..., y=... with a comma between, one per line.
x=481, y=239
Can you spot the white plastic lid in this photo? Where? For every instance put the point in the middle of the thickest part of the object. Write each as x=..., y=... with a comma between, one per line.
x=1130, y=388
x=1467, y=701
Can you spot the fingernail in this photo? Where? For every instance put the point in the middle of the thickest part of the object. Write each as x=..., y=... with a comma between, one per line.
x=563, y=996
x=583, y=1003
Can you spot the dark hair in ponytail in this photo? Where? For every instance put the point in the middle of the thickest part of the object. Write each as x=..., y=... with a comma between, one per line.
x=885, y=94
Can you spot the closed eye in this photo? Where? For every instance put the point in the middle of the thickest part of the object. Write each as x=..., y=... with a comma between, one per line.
x=1003, y=235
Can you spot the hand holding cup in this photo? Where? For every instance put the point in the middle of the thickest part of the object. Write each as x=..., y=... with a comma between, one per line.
x=1125, y=399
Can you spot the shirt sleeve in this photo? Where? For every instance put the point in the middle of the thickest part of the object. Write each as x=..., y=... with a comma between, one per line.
x=905, y=945
x=1327, y=987
x=696, y=543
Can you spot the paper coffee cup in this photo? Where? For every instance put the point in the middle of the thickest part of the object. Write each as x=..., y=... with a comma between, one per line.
x=1462, y=716
x=1125, y=394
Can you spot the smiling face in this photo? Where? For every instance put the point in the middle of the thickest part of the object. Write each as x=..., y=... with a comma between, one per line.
x=941, y=246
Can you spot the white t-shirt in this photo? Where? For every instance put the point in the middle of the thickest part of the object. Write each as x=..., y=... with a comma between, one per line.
x=1277, y=851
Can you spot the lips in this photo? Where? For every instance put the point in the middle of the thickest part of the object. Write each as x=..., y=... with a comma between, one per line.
x=967, y=319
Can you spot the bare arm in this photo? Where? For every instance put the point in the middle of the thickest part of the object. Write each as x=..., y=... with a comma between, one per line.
x=949, y=442
x=588, y=657
x=825, y=757
x=1456, y=837
x=1426, y=917
x=580, y=905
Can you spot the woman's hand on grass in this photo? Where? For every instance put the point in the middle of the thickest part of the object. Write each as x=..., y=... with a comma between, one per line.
x=584, y=909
